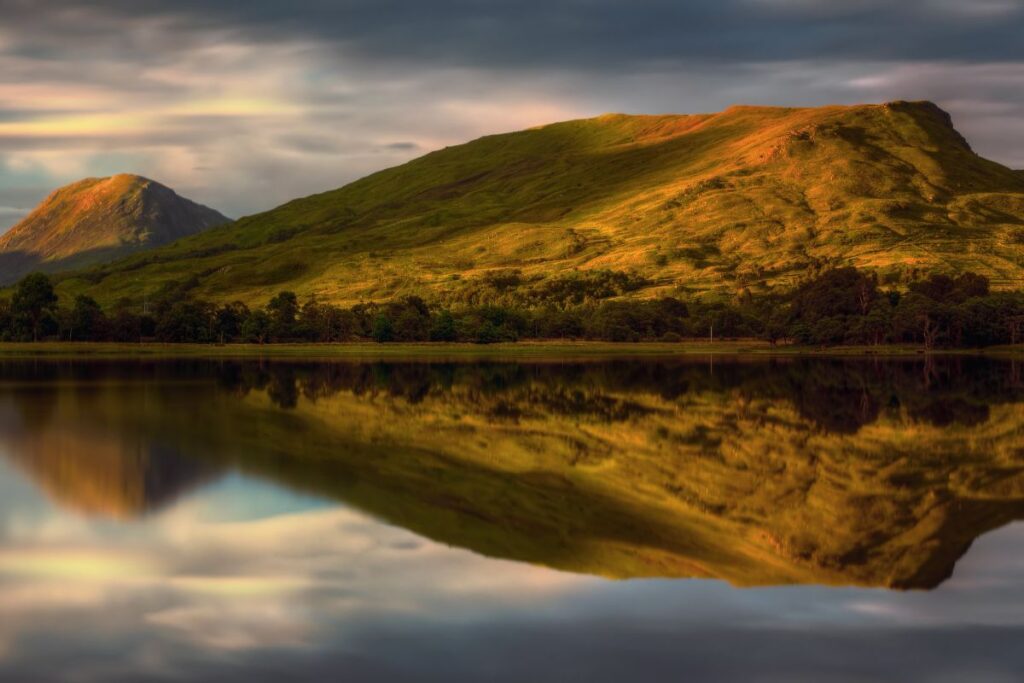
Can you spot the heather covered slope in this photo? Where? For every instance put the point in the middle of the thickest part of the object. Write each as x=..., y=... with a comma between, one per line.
x=97, y=220
x=751, y=198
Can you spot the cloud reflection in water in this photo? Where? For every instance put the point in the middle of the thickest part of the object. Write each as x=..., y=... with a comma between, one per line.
x=236, y=573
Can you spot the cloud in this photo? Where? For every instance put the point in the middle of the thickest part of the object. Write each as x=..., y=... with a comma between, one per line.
x=234, y=122
x=603, y=34
x=243, y=106
x=12, y=211
x=311, y=593
x=236, y=585
x=979, y=8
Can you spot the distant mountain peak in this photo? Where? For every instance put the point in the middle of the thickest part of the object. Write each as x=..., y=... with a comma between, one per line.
x=95, y=220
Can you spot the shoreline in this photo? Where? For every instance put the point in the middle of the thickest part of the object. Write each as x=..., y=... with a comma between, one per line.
x=447, y=350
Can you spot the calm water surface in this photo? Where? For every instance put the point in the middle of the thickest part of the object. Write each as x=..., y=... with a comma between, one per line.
x=786, y=520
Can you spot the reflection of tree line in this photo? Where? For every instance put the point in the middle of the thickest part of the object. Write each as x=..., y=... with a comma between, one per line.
x=838, y=395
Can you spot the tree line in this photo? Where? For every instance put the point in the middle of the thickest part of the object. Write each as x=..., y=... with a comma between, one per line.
x=839, y=306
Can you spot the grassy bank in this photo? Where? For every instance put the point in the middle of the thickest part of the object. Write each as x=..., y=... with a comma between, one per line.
x=554, y=349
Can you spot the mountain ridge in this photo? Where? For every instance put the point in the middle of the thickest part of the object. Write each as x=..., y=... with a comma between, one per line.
x=748, y=199
x=99, y=219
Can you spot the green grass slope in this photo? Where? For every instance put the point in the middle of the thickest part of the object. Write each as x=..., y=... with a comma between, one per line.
x=751, y=198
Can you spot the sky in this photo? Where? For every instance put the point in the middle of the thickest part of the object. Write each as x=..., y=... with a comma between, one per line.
x=245, y=104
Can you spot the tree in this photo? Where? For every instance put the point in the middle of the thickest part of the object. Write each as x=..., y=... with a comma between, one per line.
x=877, y=324
x=34, y=303
x=614, y=321
x=557, y=323
x=775, y=327
x=188, y=321
x=971, y=285
x=6, y=320
x=412, y=324
x=283, y=310
x=313, y=321
x=837, y=292
x=230, y=319
x=488, y=333
x=443, y=327
x=946, y=289
x=256, y=327
x=383, y=329
x=86, y=320
x=125, y=325
x=325, y=323
x=338, y=324
x=922, y=318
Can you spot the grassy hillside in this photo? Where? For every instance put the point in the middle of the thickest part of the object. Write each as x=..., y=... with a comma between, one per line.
x=98, y=220
x=751, y=198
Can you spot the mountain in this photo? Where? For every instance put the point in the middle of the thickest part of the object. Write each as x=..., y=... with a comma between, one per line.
x=97, y=220
x=752, y=198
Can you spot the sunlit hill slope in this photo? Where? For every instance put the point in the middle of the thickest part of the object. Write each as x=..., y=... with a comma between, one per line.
x=97, y=220
x=748, y=199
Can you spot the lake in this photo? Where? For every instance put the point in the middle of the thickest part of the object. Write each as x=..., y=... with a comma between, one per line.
x=709, y=518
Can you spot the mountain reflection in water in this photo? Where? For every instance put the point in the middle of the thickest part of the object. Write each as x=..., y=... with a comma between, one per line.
x=758, y=472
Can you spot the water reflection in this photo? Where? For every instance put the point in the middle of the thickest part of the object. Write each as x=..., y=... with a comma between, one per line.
x=401, y=521
x=853, y=472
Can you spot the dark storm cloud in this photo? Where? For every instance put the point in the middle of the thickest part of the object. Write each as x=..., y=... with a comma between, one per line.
x=602, y=34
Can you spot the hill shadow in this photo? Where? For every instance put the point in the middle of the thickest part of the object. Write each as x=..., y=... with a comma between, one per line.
x=14, y=265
